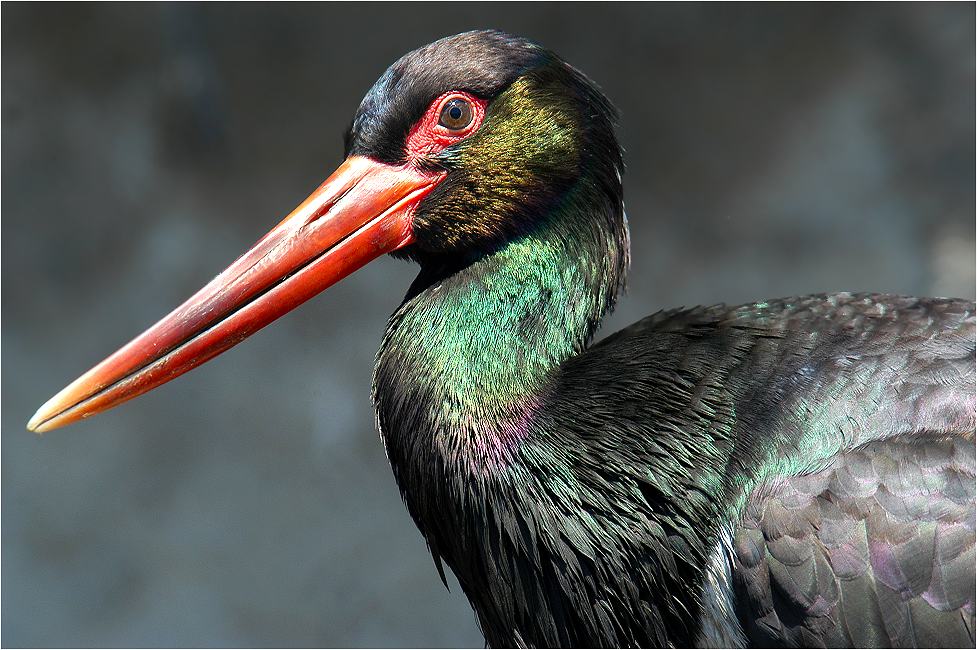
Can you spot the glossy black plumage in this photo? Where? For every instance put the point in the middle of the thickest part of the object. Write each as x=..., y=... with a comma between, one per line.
x=645, y=423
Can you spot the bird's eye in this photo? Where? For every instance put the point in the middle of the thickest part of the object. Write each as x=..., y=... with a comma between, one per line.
x=456, y=114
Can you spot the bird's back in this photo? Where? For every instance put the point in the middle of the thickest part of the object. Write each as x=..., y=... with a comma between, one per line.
x=806, y=462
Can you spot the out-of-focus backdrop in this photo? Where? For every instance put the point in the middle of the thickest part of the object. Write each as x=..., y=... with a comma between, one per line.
x=771, y=150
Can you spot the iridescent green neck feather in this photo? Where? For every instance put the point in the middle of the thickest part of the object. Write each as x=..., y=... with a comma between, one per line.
x=468, y=355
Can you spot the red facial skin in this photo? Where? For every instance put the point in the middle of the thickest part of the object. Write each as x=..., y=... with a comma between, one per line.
x=364, y=210
x=429, y=137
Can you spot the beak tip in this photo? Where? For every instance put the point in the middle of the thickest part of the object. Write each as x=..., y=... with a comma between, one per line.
x=44, y=419
x=36, y=423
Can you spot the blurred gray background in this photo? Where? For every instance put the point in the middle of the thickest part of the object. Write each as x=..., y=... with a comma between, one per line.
x=771, y=150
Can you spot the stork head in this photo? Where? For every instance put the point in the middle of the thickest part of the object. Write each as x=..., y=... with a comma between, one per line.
x=460, y=147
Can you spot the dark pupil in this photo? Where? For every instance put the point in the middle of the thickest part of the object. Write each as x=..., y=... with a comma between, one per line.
x=456, y=114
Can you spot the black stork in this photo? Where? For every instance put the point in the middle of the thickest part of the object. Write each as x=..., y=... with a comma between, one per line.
x=787, y=472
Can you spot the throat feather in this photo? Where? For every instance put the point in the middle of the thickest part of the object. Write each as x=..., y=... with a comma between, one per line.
x=467, y=357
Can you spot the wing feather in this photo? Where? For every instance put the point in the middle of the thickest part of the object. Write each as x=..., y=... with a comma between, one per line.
x=876, y=549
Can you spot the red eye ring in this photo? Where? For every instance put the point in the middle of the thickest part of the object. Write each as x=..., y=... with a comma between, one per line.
x=429, y=135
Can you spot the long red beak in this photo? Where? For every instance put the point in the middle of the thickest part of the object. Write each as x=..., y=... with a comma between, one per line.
x=362, y=211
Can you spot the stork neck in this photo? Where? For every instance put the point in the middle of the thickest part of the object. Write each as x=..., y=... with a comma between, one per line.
x=468, y=354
